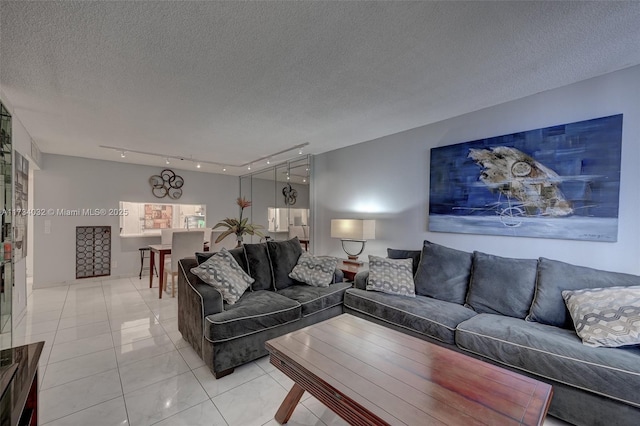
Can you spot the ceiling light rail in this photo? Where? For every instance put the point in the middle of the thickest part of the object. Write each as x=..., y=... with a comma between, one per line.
x=167, y=158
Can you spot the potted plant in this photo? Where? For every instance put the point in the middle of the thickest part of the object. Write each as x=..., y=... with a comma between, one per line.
x=239, y=227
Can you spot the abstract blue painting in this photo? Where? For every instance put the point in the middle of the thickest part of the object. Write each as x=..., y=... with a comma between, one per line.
x=555, y=182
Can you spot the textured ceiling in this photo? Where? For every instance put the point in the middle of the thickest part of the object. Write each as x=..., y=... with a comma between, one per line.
x=234, y=81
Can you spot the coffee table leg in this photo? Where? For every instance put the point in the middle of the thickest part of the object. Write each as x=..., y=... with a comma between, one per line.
x=289, y=404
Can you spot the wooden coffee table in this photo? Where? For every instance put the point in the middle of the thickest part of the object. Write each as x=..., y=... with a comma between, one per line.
x=372, y=375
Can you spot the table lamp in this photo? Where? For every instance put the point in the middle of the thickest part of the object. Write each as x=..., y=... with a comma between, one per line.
x=356, y=231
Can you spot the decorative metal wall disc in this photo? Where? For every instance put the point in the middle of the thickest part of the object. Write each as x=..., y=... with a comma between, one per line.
x=290, y=195
x=167, y=183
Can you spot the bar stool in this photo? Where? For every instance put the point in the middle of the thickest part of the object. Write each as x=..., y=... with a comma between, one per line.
x=143, y=250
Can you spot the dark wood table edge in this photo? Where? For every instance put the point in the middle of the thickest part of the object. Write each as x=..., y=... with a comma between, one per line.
x=305, y=380
x=336, y=401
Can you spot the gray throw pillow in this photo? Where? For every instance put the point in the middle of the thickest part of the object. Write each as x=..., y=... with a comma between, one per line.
x=315, y=271
x=443, y=273
x=414, y=255
x=284, y=257
x=554, y=277
x=259, y=266
x=222, y=272
x=393, y=276
x=607, y=317
x=501, y=285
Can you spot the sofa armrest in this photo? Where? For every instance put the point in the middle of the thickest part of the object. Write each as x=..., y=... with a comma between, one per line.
x=211, y=299
x=361, y=280
x=196, y=300
x=338, y=276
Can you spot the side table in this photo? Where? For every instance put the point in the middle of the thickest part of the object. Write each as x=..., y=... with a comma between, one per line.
x=350, y=269
x=19, y=385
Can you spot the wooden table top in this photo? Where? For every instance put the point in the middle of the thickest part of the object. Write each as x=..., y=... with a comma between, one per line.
x=403, y=380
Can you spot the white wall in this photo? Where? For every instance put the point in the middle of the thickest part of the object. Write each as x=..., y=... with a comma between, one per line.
x=388, y=178
x=78, y=183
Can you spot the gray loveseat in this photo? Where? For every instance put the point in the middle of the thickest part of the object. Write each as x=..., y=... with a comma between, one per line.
x=227, y=336
x=510, y=312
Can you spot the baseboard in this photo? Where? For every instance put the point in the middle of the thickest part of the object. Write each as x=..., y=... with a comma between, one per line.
x=82, y=281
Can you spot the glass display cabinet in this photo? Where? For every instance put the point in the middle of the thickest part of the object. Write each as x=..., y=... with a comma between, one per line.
x=6, y=252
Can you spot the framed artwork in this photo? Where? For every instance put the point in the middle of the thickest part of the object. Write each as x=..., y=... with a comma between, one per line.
x=157, y=216
x=555, y=182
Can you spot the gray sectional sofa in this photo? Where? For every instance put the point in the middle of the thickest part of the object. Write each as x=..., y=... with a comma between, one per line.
x=510, y=312
x=227, y=336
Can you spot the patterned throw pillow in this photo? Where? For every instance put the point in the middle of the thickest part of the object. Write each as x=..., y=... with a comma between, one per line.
x=222, y=272
x=315, y=271
x=393, y=276
x=605, y=316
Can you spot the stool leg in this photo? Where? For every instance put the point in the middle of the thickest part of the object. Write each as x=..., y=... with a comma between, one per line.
x=141, y=264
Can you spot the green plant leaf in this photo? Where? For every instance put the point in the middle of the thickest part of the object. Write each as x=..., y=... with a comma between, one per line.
x=224, y=235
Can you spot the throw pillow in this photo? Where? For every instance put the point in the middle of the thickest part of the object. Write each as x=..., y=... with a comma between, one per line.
x=501, y=285
x=222, y=272
x=443, y=273
x=284, y=257
x=414, y=255
x=259, y=266
x=554, y=276
x=393, y=276
x=605, y=316
x=315, y=271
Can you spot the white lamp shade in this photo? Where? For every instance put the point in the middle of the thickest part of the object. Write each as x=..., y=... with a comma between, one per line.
x=353, y=229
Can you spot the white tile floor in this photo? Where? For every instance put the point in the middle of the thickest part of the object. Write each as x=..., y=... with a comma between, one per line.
x=114, y=356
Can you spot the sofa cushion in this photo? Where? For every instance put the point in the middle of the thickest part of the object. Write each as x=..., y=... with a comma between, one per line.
x=254, y=312
x=501, y=285
x=391, y=276
x=222, y=272
x=237, y=253
x=414, y=255
x=605, y=316
x=316, y=299
x=554, y=353
x=284, y=256
x=259, y=266
x=553, y=277
x=204, y=255
x=443, y=273
x=424, y=315
x=317, y=271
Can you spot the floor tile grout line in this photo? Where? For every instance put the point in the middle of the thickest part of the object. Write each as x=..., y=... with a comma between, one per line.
x=76, y=412
x=219, y=411
x=54, y=336
x=115, y=354
x=80, y=378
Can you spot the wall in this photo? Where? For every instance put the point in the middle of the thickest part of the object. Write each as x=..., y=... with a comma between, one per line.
x=78, y=183
x=388, y=178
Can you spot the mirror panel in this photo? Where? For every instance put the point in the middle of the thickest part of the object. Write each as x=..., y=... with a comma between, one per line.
x=280, y=200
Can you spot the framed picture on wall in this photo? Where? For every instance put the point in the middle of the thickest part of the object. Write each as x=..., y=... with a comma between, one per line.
x=554, y=182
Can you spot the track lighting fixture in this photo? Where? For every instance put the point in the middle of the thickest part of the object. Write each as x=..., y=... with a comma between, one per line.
x=267, y=158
